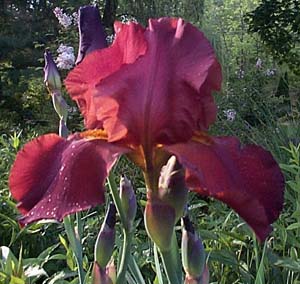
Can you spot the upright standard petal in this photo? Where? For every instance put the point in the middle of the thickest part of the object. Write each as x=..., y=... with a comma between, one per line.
x=247, y=178
x=81, y=81
x=165, y=95
x=91, y=32
x=53, y=177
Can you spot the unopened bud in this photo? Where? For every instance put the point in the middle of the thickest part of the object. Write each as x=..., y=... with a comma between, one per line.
x=159, y=222
x=60, y=105
x=193, y=255
x=100, y=276
x=106, y=239
x=51, y=75
x=63, y=129
x=172, y=188
x=91, y=32
x=128, y=200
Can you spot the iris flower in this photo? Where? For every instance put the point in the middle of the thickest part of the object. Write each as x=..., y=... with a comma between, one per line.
x=148, y=96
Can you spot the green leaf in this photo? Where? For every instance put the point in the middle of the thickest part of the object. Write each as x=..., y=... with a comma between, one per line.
x=293, y=226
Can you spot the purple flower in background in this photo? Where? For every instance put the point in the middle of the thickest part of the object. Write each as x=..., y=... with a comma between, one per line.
x=258, y=64
x=66, y=57
x=230, y=114
x=92, y=35
x=64, y=19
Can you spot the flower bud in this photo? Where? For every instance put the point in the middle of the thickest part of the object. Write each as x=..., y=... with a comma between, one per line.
x=63, y=129
x=193, y=255
x=91, y=32
x=128, y=200
x=100, y=275
x=60, y=105
x=159, y=222
x=51, y=75
x=172, y=188
x=106, y=239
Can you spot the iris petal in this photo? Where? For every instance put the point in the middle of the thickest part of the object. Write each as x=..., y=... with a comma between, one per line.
x=247, y=178
x=99, y=64
x=165, y=95
x=53, y=177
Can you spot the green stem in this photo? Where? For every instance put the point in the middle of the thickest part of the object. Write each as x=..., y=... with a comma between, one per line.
x=171, y=263
x=75, y=244
x=127, y=232
x=115, y=195
x=124, y=257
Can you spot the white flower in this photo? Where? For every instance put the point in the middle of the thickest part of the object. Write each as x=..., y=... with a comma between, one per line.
x=75, y=18
x=258, y=64
x=110, y=38
x=126, y=19
x=230, y=114
x=240, y=73
x=64, y=19
x=66, y=57
x=270, y=72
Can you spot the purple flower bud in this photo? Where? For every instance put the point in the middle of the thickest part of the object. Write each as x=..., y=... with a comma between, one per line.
x=128, y=200
x=166, y=206
x=100, y=275
x=193, y=255
x=60, y=105
x=92, y=35
x=51, y=75
x=106, y=239
x=172, y=188
x=63, y=129
x=159, y=222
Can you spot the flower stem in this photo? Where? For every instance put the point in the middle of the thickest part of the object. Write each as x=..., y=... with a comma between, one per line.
x=115, y=195
x=124, y=257
x=171, y=263
x=127, y=233
x=75, y=244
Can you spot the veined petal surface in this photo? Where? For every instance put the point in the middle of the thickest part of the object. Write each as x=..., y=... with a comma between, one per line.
x=165, y=95
x=53, y=177
x=247, y=178
x=97, y=65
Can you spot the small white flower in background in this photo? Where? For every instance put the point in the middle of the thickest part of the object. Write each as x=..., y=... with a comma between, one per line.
x=64, y=19
x=72, y=109
x=240, y=74
x=230, y=114
x=270, y=72
x=258, y=64
x=66, y=57
x=110, y=38
x=75, y=18
x=126, y=19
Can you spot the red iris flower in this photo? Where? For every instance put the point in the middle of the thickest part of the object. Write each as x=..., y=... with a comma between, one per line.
x=149, y=96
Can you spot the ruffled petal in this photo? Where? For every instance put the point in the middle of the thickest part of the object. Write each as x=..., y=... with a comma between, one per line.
x=247, y=178
x=165, y=95
x=97, y=65
x=53, y=177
